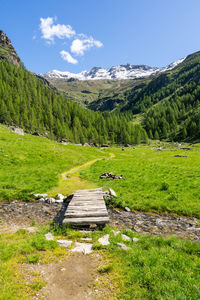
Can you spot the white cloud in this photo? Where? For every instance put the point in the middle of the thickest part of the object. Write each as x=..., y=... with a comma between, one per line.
x=49, y=30
x=67, y=56
x=78, y=46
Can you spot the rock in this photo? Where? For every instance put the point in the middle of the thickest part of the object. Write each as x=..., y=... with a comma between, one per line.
x=38, y=196
x=17, y=130
x=49, y=236
x=135, y=240
x=110, y=176
x=58, y=201
x=84, y=248
x=104, y=240
x=115, y=232
x=60, y=197
x=64, y=243
x=127, y=209
x=122, y=246
x=125, y=237
x=86, y=145
x=112, y=193
x=41, y=200
x=51, y=200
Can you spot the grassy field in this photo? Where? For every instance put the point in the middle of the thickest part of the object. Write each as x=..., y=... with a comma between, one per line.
x=152, y=268
x=152, y=180
x=34, y=164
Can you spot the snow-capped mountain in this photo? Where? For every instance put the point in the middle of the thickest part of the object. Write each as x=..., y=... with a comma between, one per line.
x=127, y=71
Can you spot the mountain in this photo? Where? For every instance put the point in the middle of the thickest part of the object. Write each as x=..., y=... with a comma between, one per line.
x=170, y=102
x=30, y=103
x=120, y=72
x=7, y=51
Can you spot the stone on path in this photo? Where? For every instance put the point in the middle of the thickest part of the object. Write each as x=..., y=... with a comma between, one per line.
x=104, y=240
x=64, y=243
x=125, y=237
x=122, y=246
x=135, y=239
x=49, y=236
x=84, y=248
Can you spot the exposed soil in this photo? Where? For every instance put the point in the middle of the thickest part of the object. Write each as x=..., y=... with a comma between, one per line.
x=71, y=279
x=15, y=215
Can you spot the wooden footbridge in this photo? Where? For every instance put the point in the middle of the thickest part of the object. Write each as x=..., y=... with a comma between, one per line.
x=87, y=207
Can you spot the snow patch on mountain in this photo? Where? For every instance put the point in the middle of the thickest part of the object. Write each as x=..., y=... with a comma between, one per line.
x=127, y=71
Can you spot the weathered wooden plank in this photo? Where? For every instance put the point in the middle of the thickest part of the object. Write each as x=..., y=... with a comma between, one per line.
x=85, y=215
x=87, y=221
x=87, y=207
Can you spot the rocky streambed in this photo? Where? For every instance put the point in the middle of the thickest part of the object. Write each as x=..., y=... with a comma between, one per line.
x=27, y=213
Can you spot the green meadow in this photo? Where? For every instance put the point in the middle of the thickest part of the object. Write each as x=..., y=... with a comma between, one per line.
x=152, y=180
x=152, y=268
x=34, y=164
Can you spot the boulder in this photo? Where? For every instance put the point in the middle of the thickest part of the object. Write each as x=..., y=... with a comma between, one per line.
x=110, y=176
x=49, y=236
x=17, y=130
x=122, y=246
x=125, y=237
x=104, y=240
x=64, y=243
x=127, y=209
x=84, y=248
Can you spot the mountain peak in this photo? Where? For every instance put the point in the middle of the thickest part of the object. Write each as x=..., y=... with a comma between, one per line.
x=127, y=71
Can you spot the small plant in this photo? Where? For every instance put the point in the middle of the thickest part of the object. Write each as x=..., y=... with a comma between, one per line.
x=105, y=269
x=33, y=258
x=173, y=197
x=164, y=186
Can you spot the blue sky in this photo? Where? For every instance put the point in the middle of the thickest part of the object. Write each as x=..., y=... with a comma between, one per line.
x=74, y=35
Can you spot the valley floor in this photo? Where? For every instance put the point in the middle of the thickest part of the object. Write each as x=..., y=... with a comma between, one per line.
x=160, y=186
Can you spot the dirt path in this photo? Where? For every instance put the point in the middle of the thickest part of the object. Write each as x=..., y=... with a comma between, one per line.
x=78, y=168
x=70, y=279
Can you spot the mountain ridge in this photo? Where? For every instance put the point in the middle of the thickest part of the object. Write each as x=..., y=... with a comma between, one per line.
x=124, y=71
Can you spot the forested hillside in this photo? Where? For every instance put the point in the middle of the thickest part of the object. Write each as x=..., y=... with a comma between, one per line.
x=25, y=101
x=170, y=102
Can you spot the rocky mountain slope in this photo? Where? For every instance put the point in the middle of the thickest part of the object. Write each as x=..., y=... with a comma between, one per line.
x=7, y=51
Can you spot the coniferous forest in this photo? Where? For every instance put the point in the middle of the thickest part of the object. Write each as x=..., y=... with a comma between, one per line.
x=25, y=101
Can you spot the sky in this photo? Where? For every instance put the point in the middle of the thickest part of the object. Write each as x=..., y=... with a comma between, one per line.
x=76, y=35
